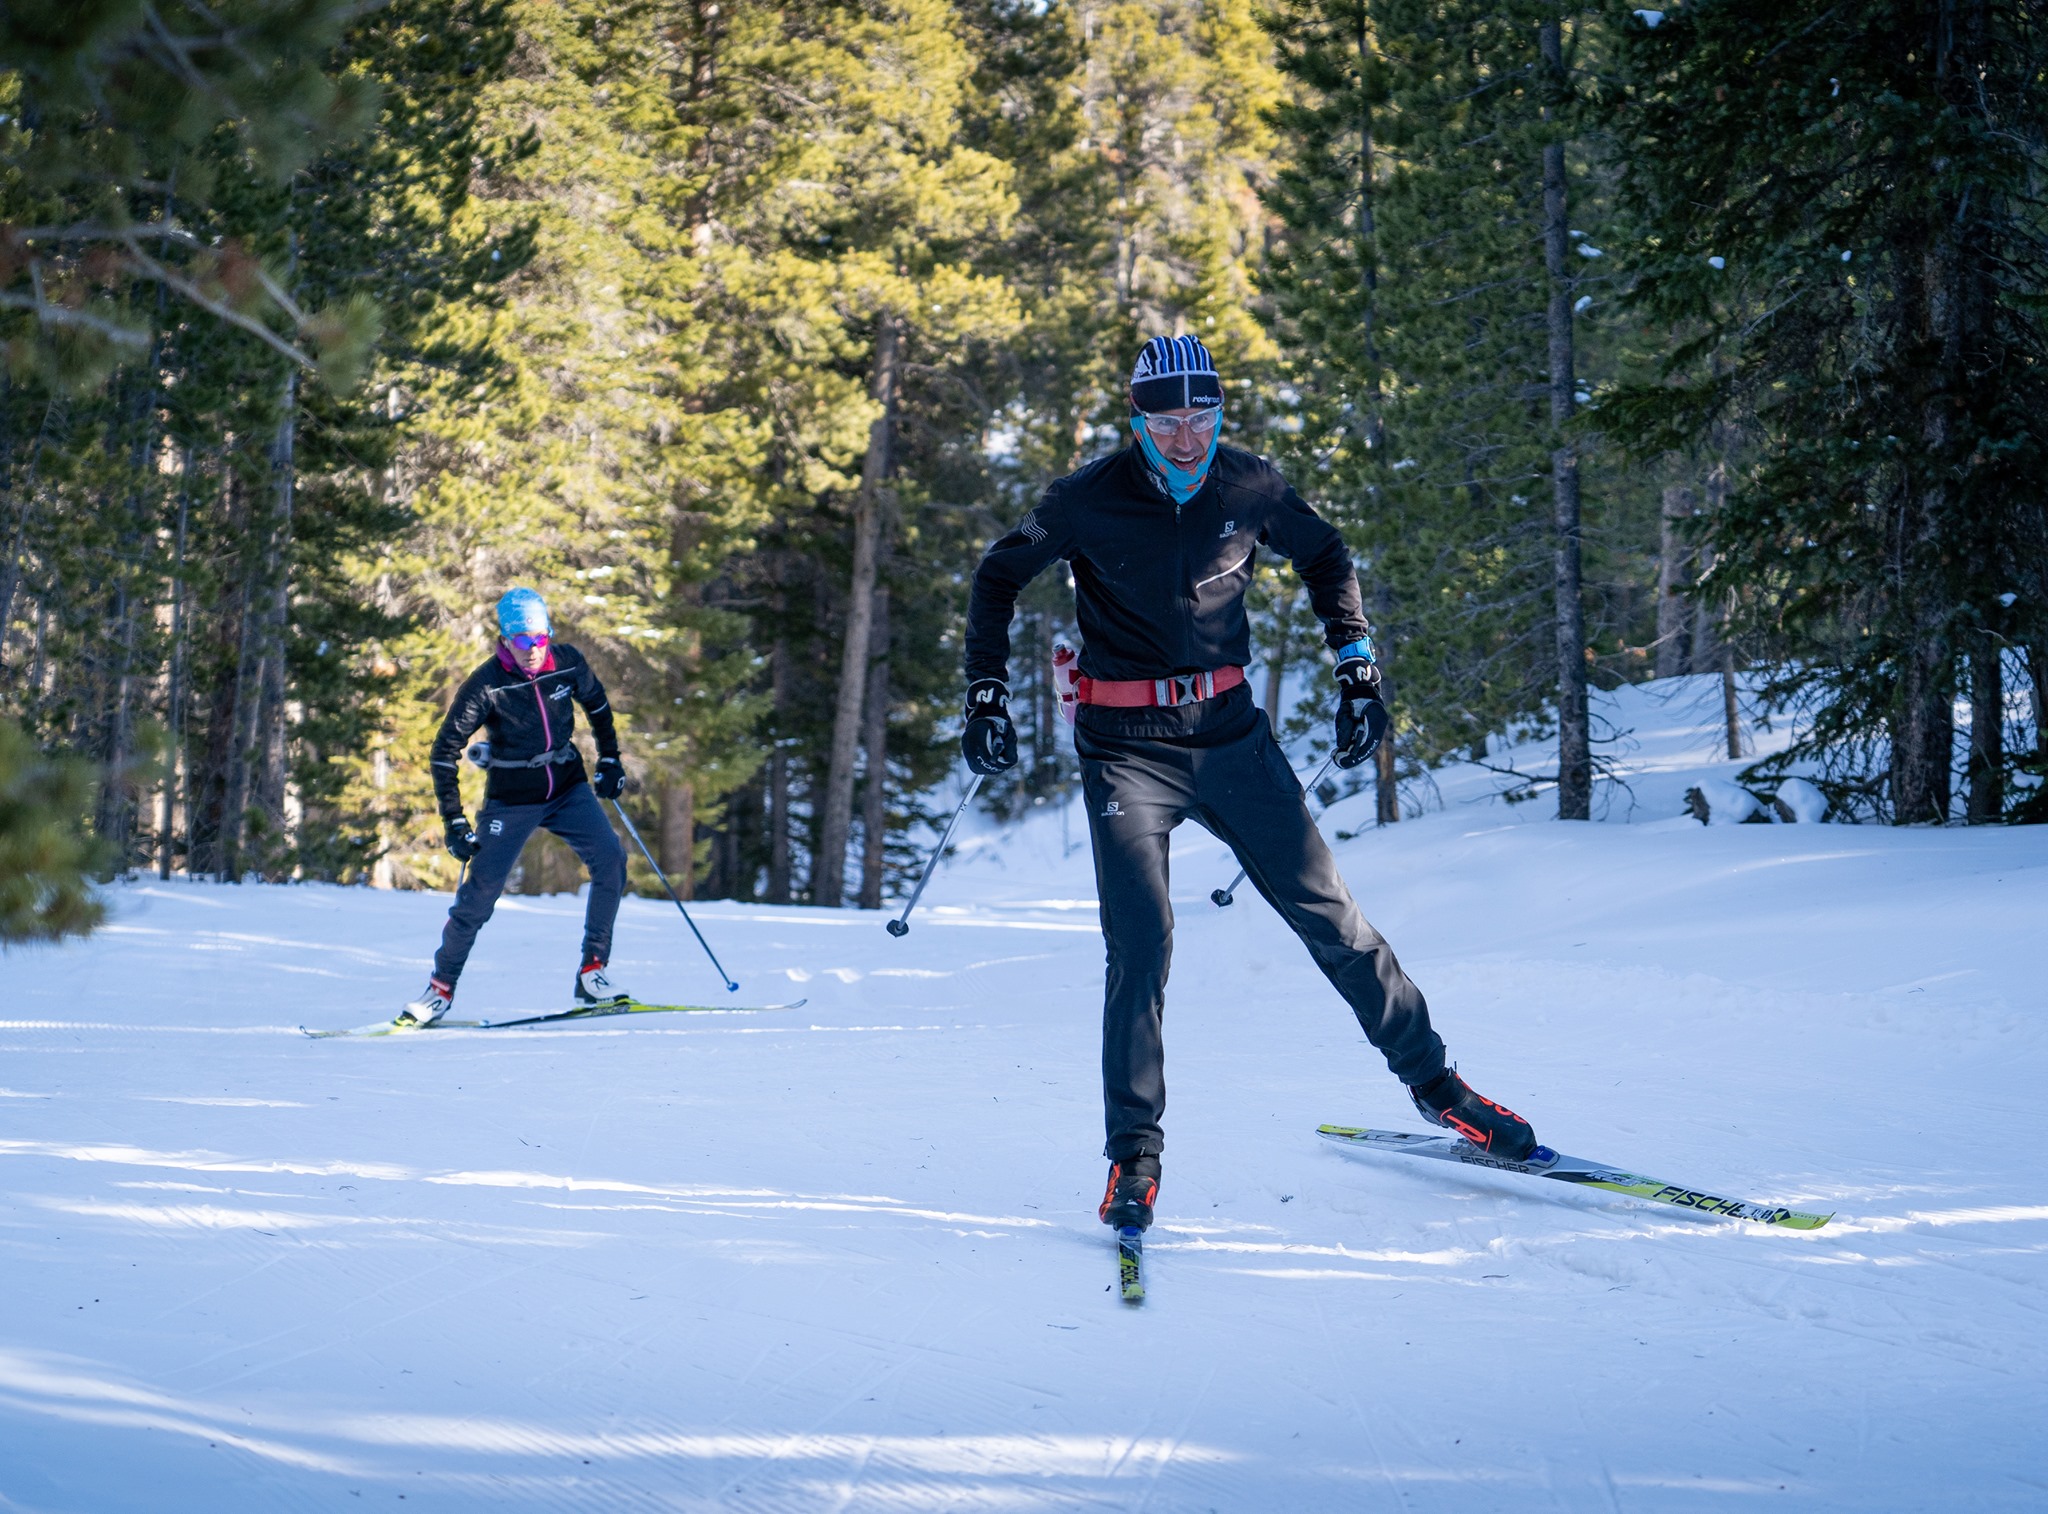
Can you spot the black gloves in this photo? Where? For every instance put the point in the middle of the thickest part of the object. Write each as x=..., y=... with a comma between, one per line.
x=990, y=742
x=461, y=839
x=610, y=781
x=1361, y=717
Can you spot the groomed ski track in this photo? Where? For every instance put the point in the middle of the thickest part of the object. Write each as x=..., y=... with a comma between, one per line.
x=845, y=1258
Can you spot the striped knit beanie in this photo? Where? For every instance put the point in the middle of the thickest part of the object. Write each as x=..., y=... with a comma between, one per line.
x=1175, y=373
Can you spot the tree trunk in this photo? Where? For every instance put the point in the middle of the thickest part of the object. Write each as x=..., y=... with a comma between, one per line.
x=2037, y=670
x=1368, y=243
x=1574, y=743
x=1923, y=736
x=1672, y=650
x=1731, y=711
x=115, y=817
x=19, y=484
x=1387, y=795
x=679, y=835
x=1987, y=732
x=874, y=804
x=1276, y=663
x=778, y=780
x=241, y=738
x=174, y=696
x=273, y=725
x=1704, y=656
x=1044, y=706
x=1387, y=792
x=835, y=825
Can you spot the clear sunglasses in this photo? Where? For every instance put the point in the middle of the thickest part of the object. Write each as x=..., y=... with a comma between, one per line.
x=1200, y=425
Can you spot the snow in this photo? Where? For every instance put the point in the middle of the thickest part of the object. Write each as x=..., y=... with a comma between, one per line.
x=1806, y=804
x=844, y=1257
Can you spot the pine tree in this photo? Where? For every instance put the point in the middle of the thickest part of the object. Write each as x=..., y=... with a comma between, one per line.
x=1841, y=211
x=1430, y=309
x=111, y=136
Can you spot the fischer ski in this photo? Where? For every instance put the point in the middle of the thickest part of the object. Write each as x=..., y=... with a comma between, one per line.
x=391, y=1028
x=584, y=1012
x=1130, y=1264
x=1545, y=1163
x=629, y=1007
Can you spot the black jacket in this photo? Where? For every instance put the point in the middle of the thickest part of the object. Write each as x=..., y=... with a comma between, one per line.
x=529, y=721
x=1159, y=588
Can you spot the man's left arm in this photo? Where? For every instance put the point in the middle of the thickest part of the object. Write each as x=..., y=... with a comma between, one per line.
x=1323, y=563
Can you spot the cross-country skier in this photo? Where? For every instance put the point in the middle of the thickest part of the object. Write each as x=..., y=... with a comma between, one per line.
x=522, y=697
x=1161, y=538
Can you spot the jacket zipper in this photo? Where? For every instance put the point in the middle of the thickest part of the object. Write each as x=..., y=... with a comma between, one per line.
x=547, y=735
x=1187, y=601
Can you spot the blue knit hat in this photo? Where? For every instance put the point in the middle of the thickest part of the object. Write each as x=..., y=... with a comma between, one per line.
x=1175, y=373
x=523, y=612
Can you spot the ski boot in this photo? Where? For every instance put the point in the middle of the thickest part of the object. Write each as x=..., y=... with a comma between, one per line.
x=432, y=1003
x=1133, y=1185
x=1446, y=1100
x=594, y=990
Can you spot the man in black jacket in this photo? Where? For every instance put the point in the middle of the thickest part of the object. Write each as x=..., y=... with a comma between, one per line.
x=524, y=698
x=1161, y=539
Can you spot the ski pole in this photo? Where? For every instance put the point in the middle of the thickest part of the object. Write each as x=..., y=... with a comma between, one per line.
x=634, y=831
x=900, y=926
x=1223, y=898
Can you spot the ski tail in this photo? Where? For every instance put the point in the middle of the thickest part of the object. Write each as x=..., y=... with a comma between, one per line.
x=1130, y=1264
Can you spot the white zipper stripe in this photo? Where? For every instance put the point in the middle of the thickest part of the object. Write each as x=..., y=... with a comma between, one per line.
x=1226, y=572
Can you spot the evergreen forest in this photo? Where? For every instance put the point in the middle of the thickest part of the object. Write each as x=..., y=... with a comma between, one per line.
x=1621, y=344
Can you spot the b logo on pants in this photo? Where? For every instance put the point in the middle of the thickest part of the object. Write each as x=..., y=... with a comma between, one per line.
x=497, y=827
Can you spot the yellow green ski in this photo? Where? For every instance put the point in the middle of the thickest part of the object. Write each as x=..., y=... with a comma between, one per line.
x=584, y=1012
x=1545, y=1163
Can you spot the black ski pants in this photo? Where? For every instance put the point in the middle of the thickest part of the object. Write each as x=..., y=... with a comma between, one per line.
x=502, y=831
x=1238, y=786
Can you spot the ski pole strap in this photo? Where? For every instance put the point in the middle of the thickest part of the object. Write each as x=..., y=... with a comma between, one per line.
x=561, y=753
x=1167, y=693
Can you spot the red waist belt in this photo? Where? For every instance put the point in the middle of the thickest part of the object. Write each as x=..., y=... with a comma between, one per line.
x=1144, y=693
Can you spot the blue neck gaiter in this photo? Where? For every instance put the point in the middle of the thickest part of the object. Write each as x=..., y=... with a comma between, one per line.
x=1181, y=483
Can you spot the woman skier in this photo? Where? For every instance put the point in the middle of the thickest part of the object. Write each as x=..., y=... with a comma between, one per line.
x=523, y=698
x=1161, y=539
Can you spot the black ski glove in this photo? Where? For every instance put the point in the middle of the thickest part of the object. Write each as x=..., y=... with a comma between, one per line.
x=990, y=742
x=610, y=781
x=1361, y=716
x=461, y=839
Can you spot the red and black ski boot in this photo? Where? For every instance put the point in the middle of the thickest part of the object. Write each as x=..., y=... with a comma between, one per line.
x=1133, y=1185
x=1446, y=1100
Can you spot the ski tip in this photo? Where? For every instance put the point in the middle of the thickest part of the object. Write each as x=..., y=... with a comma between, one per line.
x=1805, y=1221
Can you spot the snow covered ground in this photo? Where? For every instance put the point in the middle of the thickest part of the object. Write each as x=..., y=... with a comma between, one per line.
x=845, y=1257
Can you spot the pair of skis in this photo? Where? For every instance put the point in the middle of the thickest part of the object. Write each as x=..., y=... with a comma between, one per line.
x=1542, y=1163
x=581, y=1012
